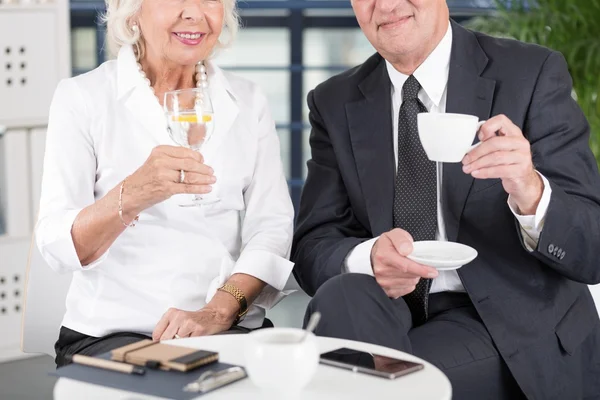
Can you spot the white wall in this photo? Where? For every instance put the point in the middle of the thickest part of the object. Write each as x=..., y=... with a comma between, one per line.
x=33, y=60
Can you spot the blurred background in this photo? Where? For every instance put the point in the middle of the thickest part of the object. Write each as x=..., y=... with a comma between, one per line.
x=286, y=46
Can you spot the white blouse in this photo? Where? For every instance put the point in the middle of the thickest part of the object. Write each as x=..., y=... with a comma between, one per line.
x=102, y=127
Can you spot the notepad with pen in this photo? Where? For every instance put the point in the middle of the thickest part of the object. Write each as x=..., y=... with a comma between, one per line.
x=170, y=384
x=151, y=354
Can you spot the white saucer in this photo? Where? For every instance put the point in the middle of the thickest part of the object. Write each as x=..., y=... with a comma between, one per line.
x=442, y=255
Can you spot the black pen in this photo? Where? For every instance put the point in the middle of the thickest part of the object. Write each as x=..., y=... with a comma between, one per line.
x=107, y=364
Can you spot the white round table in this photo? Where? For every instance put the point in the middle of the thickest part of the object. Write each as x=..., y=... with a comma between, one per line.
x=328, y=383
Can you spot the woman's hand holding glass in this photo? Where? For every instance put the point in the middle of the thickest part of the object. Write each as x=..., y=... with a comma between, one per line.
x=160, y=177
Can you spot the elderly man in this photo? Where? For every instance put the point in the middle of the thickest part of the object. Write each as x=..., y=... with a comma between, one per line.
x=518, y=321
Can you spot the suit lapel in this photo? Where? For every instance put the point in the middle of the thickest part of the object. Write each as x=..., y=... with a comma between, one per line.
x=468, y=93
x=370, y=126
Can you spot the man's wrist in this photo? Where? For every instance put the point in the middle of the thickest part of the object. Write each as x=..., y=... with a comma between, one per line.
x=528, y=200
x=371, y=255
x=359, y=260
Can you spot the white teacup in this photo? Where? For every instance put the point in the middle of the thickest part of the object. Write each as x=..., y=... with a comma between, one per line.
x=447, y=137
x=276, y=360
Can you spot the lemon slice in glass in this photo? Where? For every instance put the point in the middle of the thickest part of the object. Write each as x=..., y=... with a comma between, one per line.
x=191, y=118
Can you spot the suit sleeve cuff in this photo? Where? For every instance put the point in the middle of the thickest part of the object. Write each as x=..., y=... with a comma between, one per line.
x=358, y=260
x=532, y=225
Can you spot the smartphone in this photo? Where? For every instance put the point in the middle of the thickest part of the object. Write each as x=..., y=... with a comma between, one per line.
x=373, y=364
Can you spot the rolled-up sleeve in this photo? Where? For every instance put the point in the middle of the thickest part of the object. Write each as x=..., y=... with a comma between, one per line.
x=68, y=178
x=267, y=225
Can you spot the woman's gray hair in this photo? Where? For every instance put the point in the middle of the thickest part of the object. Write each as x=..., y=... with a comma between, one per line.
x=119, y=32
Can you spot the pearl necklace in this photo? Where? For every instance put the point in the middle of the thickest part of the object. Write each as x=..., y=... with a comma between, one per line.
x=201, y=76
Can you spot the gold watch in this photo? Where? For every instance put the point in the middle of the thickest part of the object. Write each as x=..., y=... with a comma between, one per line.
x=241, y=299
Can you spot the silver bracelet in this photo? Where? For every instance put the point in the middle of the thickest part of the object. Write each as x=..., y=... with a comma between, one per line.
x=137, y=217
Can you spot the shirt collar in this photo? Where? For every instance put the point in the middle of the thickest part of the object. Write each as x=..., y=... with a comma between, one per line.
x=432, y=74
x=129, y=76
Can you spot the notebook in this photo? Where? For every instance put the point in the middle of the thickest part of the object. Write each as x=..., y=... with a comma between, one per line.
x=155, y=382
x=164, y=356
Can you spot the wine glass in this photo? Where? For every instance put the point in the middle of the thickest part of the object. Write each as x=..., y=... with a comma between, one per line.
x=190, y=122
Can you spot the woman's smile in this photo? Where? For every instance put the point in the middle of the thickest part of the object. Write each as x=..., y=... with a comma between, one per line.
x=189, y=38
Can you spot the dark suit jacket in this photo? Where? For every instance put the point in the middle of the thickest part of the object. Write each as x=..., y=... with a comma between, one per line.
x=535, y=305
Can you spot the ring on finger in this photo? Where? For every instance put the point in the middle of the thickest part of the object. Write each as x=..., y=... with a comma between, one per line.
x=181, y=176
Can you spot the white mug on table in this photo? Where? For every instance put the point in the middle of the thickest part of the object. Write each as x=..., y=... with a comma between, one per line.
x=281, y=359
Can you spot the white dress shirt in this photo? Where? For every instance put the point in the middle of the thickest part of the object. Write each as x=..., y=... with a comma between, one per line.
x=103, y=126
x=433, y=77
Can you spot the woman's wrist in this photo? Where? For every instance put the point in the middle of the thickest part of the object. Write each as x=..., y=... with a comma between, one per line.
x=225, y=305
x=127, y=205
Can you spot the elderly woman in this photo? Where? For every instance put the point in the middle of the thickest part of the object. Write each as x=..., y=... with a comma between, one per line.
x=142, y=265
